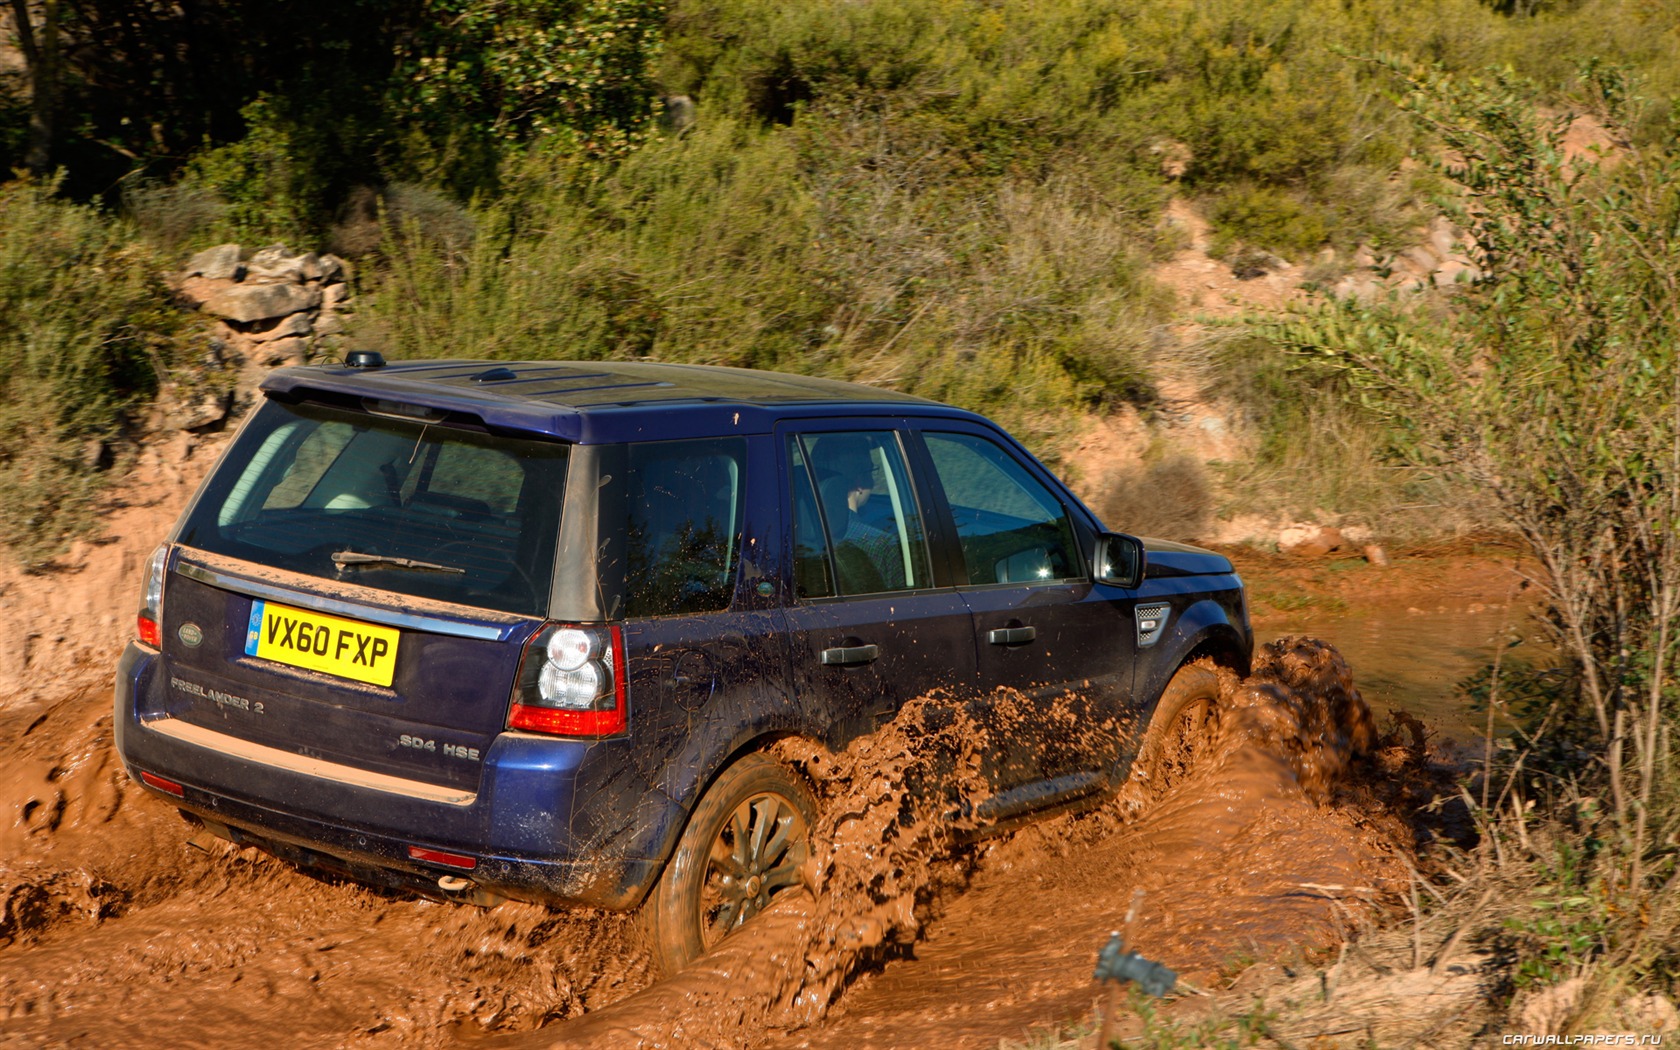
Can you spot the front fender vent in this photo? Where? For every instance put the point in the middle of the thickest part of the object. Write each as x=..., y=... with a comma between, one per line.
x=1152, y=623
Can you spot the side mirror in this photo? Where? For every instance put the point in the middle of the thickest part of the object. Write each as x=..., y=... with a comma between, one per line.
x=1120, y=560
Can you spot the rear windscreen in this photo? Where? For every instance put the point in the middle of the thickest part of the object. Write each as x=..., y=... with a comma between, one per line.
x=418, y=508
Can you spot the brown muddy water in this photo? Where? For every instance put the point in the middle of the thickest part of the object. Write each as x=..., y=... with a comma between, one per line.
x=1416, y=659
x=119, y=928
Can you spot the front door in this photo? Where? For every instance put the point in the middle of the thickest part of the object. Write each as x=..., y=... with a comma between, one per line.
x=1059, y=645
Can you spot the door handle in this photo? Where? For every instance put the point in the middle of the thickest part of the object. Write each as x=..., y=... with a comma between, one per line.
x=846, y=655
x=1012, y=635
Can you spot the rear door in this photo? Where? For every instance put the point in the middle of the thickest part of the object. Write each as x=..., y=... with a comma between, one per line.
x=1042, y=628
x=870, y=626
x=707, y=656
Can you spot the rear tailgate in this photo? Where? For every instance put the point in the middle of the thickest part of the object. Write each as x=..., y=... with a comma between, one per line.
x=284, y=665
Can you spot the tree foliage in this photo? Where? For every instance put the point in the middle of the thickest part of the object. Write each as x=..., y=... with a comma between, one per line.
x=575, y=74
x=84, y=331
x=357, y=91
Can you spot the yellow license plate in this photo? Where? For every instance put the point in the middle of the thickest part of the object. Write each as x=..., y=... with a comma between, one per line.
x=335, y=646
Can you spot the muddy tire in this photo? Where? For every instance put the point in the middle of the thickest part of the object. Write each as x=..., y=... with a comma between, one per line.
x=1183, y=729
x=745, y=842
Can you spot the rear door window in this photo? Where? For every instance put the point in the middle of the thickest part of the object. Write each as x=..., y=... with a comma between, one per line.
x=416, y=508
x=1010, y=527
x=683, y=531
x=857, y=526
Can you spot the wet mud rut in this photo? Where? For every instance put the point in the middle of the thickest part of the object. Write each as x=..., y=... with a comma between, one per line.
x=119, y=928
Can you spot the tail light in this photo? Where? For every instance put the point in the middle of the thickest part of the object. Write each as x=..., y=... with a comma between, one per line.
x=571, y=683
x=149, y=622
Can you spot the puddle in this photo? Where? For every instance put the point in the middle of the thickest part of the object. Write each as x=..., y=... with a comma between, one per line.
x=1414, y=659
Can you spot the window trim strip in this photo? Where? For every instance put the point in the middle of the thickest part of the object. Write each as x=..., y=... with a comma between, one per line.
x=375, y=614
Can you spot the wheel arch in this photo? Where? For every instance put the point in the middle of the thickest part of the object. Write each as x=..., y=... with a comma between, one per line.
x=749, y=740
x=1202, y=631
x=677, y=913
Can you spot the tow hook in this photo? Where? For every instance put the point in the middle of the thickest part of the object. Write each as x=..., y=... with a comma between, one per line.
x=453, y=883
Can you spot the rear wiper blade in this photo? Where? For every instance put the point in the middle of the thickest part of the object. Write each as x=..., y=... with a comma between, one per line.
x=346, y=559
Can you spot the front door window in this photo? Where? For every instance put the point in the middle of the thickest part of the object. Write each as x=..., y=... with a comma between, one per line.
x=1010, y=527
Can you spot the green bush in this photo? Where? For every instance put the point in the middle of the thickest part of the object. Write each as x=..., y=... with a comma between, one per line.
x=1268, y=218
x=821, y=250
x=1316, y=449
x=265, y=182
x=85, y=335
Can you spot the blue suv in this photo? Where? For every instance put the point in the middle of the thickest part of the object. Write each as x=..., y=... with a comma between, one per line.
x=484, y=629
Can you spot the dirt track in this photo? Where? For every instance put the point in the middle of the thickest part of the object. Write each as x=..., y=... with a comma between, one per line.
x=119, y=929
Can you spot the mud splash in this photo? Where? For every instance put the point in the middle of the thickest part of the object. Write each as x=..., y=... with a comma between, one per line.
x=1260, y=849
x=120, y=929
x=1248, y=854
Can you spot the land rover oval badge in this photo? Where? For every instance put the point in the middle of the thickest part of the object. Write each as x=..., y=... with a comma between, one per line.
x=190, y=635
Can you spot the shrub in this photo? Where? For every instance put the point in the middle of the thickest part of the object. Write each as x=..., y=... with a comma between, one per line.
x=826, y=250
x=1268, y=218
x=266, y=181
x=87, y=332
x=174, y=217
x=1555, y=387
x=1167, y=495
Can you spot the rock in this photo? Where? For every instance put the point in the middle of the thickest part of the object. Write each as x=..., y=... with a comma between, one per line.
x=335, y=294
x=290, y=325
x=1443, y=236
x=1650, y=1014
x=96, y=454
x=328, y=324
x=292, y=350
x=1359, y=285
x=259, y=302
x=1249, y=263
x=677, y=112
x=220, y=263
x=196, y=291
x=1376, y=556
x=1548, y=1010
x=1309, y=540
x=207, y=409
x=275, y=264
x=1175, y=157
x=1453, y=272
x=1416, y=262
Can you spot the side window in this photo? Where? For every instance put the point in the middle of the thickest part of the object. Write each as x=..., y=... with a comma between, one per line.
x=1012, y=529
x=857, y=485
x=812, y=575
x=684, y=527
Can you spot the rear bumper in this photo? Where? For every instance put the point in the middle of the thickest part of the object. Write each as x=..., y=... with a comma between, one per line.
x=526, y=836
